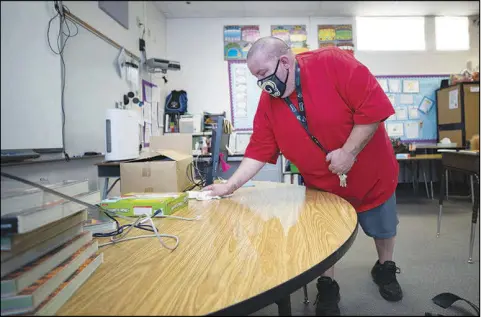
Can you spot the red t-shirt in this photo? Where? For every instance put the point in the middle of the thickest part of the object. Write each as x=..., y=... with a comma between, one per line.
x=339, y=92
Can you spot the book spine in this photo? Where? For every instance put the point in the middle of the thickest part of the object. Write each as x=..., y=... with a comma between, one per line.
x=35, y=219
x=34, y=295
x=28, y=274
x=12, y=260
x=51, y=305
x=60, y=296
x=20, y=242
x=38, y=198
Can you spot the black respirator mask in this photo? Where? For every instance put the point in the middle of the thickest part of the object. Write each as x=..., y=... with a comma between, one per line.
x=272, y=84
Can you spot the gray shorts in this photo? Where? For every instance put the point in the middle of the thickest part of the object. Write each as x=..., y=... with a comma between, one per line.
x=380, y=222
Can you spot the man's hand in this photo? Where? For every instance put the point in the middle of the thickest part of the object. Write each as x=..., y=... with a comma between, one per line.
x=341, y=161
x=219, y=189
x=247, y=169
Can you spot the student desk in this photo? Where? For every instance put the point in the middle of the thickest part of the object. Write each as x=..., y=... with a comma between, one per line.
x=415, y=160
x=245, y=253
x=466, y=162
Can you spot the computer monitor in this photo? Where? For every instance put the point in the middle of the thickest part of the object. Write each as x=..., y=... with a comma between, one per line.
x=219, y=142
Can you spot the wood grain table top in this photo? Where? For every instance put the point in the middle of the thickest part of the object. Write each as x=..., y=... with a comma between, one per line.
x=260, y=239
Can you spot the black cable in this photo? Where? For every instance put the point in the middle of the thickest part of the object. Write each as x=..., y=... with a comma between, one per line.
x=60, y=51
x=120, y=229
x=191, y=176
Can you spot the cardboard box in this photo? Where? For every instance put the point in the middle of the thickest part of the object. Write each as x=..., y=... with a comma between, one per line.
x=137, y=204
x=163, y=169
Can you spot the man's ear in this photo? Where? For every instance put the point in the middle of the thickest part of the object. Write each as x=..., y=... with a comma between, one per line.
x=285, y=61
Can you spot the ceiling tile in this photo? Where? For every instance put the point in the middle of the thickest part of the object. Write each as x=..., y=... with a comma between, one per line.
x=223, y=9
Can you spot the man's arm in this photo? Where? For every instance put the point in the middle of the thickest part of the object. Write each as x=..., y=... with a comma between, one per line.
x=360, y=135
x=247, y=169
x=342, y=159
x=369, y=104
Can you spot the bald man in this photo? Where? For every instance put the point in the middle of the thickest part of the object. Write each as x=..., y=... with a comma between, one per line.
x=324, y=111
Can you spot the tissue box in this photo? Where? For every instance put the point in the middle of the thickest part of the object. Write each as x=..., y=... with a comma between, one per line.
x=137, y=204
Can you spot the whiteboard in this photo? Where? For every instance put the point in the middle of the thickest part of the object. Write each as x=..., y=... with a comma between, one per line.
x=92, y=86
x=30, y=105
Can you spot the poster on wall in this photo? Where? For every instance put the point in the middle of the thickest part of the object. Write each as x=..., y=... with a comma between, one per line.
x=238, y=40
x=339, y=35
x=294, y=35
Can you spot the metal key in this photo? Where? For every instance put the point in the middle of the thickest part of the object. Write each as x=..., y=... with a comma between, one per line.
x=343, y=180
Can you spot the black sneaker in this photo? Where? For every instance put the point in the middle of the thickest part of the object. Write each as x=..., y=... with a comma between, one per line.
x=384, y=275
x=327, y=298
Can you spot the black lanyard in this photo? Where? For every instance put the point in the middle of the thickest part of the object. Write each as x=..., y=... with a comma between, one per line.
x=301, y=113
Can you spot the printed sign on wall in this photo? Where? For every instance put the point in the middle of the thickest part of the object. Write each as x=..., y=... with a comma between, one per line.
x=336, y=35
x=238, y=40
x=294, y=35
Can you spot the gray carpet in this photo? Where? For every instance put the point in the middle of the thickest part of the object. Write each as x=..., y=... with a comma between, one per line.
x=429, y=265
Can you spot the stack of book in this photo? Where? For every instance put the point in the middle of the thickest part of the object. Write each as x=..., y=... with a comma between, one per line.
x=46, y=254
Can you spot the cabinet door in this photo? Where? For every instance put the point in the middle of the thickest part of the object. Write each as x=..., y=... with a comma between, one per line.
x=471, y=109
x=447, y=113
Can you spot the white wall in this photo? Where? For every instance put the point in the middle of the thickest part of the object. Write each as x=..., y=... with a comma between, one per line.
x=198, y=45
x=146, y=11
x=89, y=12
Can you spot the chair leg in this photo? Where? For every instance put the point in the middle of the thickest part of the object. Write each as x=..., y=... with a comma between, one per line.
x=472, y=188
x=306, y=298
x=425, y=181
x=474, y=218
x=441, y=198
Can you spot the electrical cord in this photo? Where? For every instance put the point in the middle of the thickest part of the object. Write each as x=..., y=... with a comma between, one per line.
x=60, y=51
x=120, y=234
x=121, y=231
x=191, y=176
x=139, y=221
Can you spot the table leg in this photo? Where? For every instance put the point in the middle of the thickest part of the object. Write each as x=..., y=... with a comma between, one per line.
x=416, y=175
x=474, y=219
x=447, y=184
x=106, y=188
x=425, y=181
x=441, y=198
x=284, y=306
x=412, y=176
x=306, y=297
x=431, y=174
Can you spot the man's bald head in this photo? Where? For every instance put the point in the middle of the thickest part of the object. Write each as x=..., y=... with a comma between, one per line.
x=271, y=56
x=269, y=46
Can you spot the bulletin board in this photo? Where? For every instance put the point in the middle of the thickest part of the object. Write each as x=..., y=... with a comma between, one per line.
x=244, y=95
x=414, y=100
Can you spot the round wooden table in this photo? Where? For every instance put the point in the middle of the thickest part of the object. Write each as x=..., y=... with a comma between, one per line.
x=246, y=252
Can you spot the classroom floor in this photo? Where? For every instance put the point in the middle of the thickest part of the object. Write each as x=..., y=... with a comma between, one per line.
x=429, y=265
